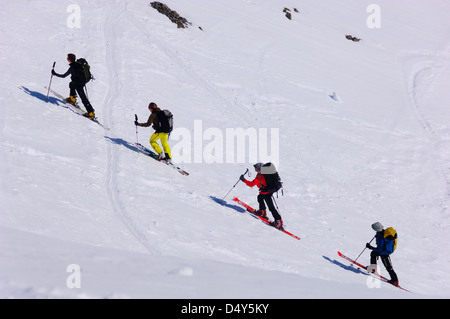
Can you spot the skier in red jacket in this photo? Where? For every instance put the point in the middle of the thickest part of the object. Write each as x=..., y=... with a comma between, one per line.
x=264, y=197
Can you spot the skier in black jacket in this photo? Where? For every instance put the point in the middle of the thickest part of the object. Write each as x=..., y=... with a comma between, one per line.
x=77, y=84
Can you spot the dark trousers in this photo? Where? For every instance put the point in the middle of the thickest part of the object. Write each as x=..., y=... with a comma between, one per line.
x=264, y=199
x=386, y=260
x=79, y=88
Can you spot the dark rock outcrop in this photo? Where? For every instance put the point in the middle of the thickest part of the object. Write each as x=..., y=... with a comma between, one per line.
x=352, y=38
x=172, y=15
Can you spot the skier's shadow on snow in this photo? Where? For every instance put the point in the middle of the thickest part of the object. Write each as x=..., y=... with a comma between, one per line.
x=346, y=267
x=50, y=99
x=122, y=142
x=224, y=203
x=40, y=96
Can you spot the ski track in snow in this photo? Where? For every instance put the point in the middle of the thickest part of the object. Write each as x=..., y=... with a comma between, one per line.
x=429, y=66
x=112, y=19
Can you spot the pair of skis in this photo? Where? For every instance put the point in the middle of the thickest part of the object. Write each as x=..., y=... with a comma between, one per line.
x=376, y=275
x=75, y=107
x=153, y=155
x=252, y=211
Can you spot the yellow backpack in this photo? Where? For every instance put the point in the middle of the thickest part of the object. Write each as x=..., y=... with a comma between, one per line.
x=391, y=232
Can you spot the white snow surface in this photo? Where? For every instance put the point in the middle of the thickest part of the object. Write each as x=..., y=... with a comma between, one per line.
x=364, y=136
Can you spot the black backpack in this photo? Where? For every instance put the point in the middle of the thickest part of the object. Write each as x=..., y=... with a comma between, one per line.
x=273, y=180
x=87, y=75
x=165, y=119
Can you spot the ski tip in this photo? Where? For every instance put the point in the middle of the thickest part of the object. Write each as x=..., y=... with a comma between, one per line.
x=292, y=235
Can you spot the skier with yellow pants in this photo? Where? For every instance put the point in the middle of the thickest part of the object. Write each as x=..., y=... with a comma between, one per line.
x=162, y=124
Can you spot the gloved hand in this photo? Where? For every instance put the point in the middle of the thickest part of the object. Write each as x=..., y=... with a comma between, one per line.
x=242, y=178
x=136, y=123
x=53, y=72
x=369, y=246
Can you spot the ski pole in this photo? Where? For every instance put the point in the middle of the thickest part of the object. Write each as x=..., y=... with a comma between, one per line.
x=234, y=185
x=273, y=198
x=365, y=248
x=51, y=77
x=137, y=139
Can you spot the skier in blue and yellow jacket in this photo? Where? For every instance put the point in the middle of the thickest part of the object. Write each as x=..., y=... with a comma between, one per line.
x=386, y=240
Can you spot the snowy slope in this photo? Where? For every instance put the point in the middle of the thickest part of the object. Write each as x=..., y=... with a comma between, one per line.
x=363, y=137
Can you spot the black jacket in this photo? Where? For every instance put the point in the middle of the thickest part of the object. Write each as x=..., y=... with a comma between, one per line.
x=76, y=71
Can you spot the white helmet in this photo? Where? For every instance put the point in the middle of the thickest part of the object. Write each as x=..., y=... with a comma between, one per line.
x=377, y=226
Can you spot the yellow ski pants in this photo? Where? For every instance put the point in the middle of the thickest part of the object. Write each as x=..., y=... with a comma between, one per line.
x=163, y=137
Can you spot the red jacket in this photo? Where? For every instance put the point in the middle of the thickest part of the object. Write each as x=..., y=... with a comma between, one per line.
x=259, y=181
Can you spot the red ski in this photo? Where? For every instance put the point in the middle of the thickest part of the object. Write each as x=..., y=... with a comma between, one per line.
x=252, y=211
x=365, y=268
x=352, y=261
